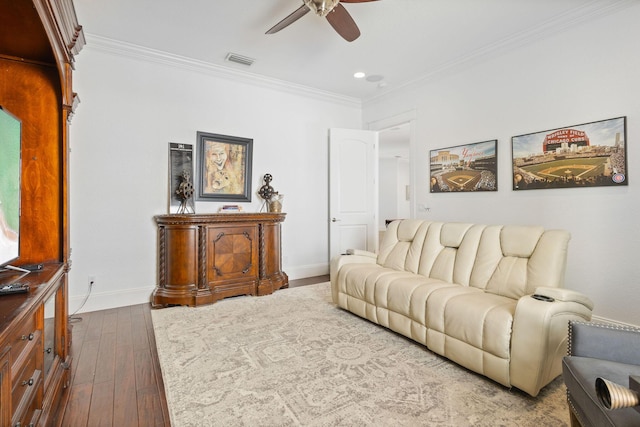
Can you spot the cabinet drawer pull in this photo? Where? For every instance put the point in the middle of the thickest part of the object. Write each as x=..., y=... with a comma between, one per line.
x=48, y=350
x=29, y=382
x=27, y=337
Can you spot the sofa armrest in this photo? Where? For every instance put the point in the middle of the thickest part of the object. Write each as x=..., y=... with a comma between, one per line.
x=567, y=295
x=539, y=337
x=357, y=256
x=360, y=252
x=608, y=342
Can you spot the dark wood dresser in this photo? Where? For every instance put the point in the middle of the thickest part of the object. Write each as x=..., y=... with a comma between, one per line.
x=34, y=341
x=38, y=43
x=204, y=258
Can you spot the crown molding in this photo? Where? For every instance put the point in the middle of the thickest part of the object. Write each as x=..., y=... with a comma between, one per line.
x=558, y=24
x=129, y=50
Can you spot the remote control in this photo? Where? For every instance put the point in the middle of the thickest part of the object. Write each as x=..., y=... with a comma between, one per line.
x=14, y=288
x=542, y=298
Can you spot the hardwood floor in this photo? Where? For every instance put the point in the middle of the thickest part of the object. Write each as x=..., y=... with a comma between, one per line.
x=115, y=378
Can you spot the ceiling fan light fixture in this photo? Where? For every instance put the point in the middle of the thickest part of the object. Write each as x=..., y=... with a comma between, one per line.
x=321, y=7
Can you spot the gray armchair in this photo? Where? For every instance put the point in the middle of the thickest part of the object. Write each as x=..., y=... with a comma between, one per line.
x=598, y=350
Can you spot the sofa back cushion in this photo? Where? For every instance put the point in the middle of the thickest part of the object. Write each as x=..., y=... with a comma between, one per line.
x=514, y=246
x=449, y=251
x=509, y=260
x=402, y=244
x=514, y=260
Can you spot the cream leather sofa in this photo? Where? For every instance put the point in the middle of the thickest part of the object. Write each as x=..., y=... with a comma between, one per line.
x=466, y=292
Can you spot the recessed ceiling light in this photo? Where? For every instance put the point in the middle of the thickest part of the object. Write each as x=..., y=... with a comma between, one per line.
x=359, y=75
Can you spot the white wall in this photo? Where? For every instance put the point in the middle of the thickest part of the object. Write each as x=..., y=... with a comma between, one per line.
x=404, y=180
x=584, y=74
x=393, y=177
x=387, y=190
x=131, y=109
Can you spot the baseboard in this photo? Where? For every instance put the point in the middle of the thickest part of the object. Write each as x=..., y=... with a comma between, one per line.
x=598, y=319
x=122, y=298
x=107, y=300
x=305, y=271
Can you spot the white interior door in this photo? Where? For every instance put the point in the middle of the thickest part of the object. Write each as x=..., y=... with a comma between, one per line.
x=353, y=190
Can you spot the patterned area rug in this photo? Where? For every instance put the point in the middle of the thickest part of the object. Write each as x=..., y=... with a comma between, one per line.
x=295, y=359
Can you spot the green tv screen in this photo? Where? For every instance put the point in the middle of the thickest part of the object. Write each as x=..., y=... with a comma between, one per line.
x=10, y=166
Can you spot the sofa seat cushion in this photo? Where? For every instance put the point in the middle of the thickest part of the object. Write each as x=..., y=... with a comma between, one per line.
x=482, y=320
x=472, y=328
x=402, y=304
x=357, y=288
x=580, y=375
x=359, y=281
x=379, y=294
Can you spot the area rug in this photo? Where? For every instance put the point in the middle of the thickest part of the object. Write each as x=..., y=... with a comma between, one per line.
x=294, y=359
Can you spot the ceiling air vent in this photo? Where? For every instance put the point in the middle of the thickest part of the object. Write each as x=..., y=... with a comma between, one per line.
x=239, y=59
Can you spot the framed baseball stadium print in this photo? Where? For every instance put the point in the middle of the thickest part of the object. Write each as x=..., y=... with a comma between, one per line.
x=464, y=168
x=588, y=155
x=224, y=168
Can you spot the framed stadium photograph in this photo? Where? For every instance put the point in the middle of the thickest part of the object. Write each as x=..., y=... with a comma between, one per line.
x=464, y=168
x=588, y=155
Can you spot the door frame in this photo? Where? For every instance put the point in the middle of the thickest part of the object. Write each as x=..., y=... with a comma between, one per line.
x=396, y=120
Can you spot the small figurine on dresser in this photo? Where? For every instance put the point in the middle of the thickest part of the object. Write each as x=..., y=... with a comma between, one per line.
x=185, y=194
x=271, y=197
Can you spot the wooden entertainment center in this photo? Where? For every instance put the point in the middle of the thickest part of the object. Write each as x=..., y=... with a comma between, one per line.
x=38, y=41
x=204, y=258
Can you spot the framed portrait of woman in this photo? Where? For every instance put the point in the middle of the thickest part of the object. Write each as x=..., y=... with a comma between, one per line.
x=224, y=166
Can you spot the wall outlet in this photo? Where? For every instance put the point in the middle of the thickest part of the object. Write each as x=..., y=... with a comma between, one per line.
x=91, y=281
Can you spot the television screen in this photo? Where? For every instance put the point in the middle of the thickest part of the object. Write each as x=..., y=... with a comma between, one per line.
x=10, y=166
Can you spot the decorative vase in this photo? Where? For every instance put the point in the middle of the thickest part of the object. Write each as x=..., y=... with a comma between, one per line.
x=275, y=203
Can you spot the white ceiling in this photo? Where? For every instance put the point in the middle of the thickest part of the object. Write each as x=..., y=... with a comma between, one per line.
x=403, y=40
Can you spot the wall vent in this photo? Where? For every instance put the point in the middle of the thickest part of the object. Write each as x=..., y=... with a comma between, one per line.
x=239, y=59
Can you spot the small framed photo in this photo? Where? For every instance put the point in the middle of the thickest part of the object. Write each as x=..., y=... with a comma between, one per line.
x=464, y=168
x=224, y=167
x=587, y=155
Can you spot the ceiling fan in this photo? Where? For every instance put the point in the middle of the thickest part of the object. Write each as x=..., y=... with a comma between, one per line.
x=335, y=13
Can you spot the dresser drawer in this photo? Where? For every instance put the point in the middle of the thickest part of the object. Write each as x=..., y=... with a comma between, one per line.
x=28, y=411
x=23, y=335
x=25, y=380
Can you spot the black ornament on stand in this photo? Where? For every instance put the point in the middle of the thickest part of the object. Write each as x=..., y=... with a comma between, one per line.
x=270, y=196
x=185, y=194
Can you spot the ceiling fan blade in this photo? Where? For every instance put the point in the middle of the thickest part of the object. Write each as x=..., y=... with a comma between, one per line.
x=356, y=1
x=343, y=23
x=297, y=14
